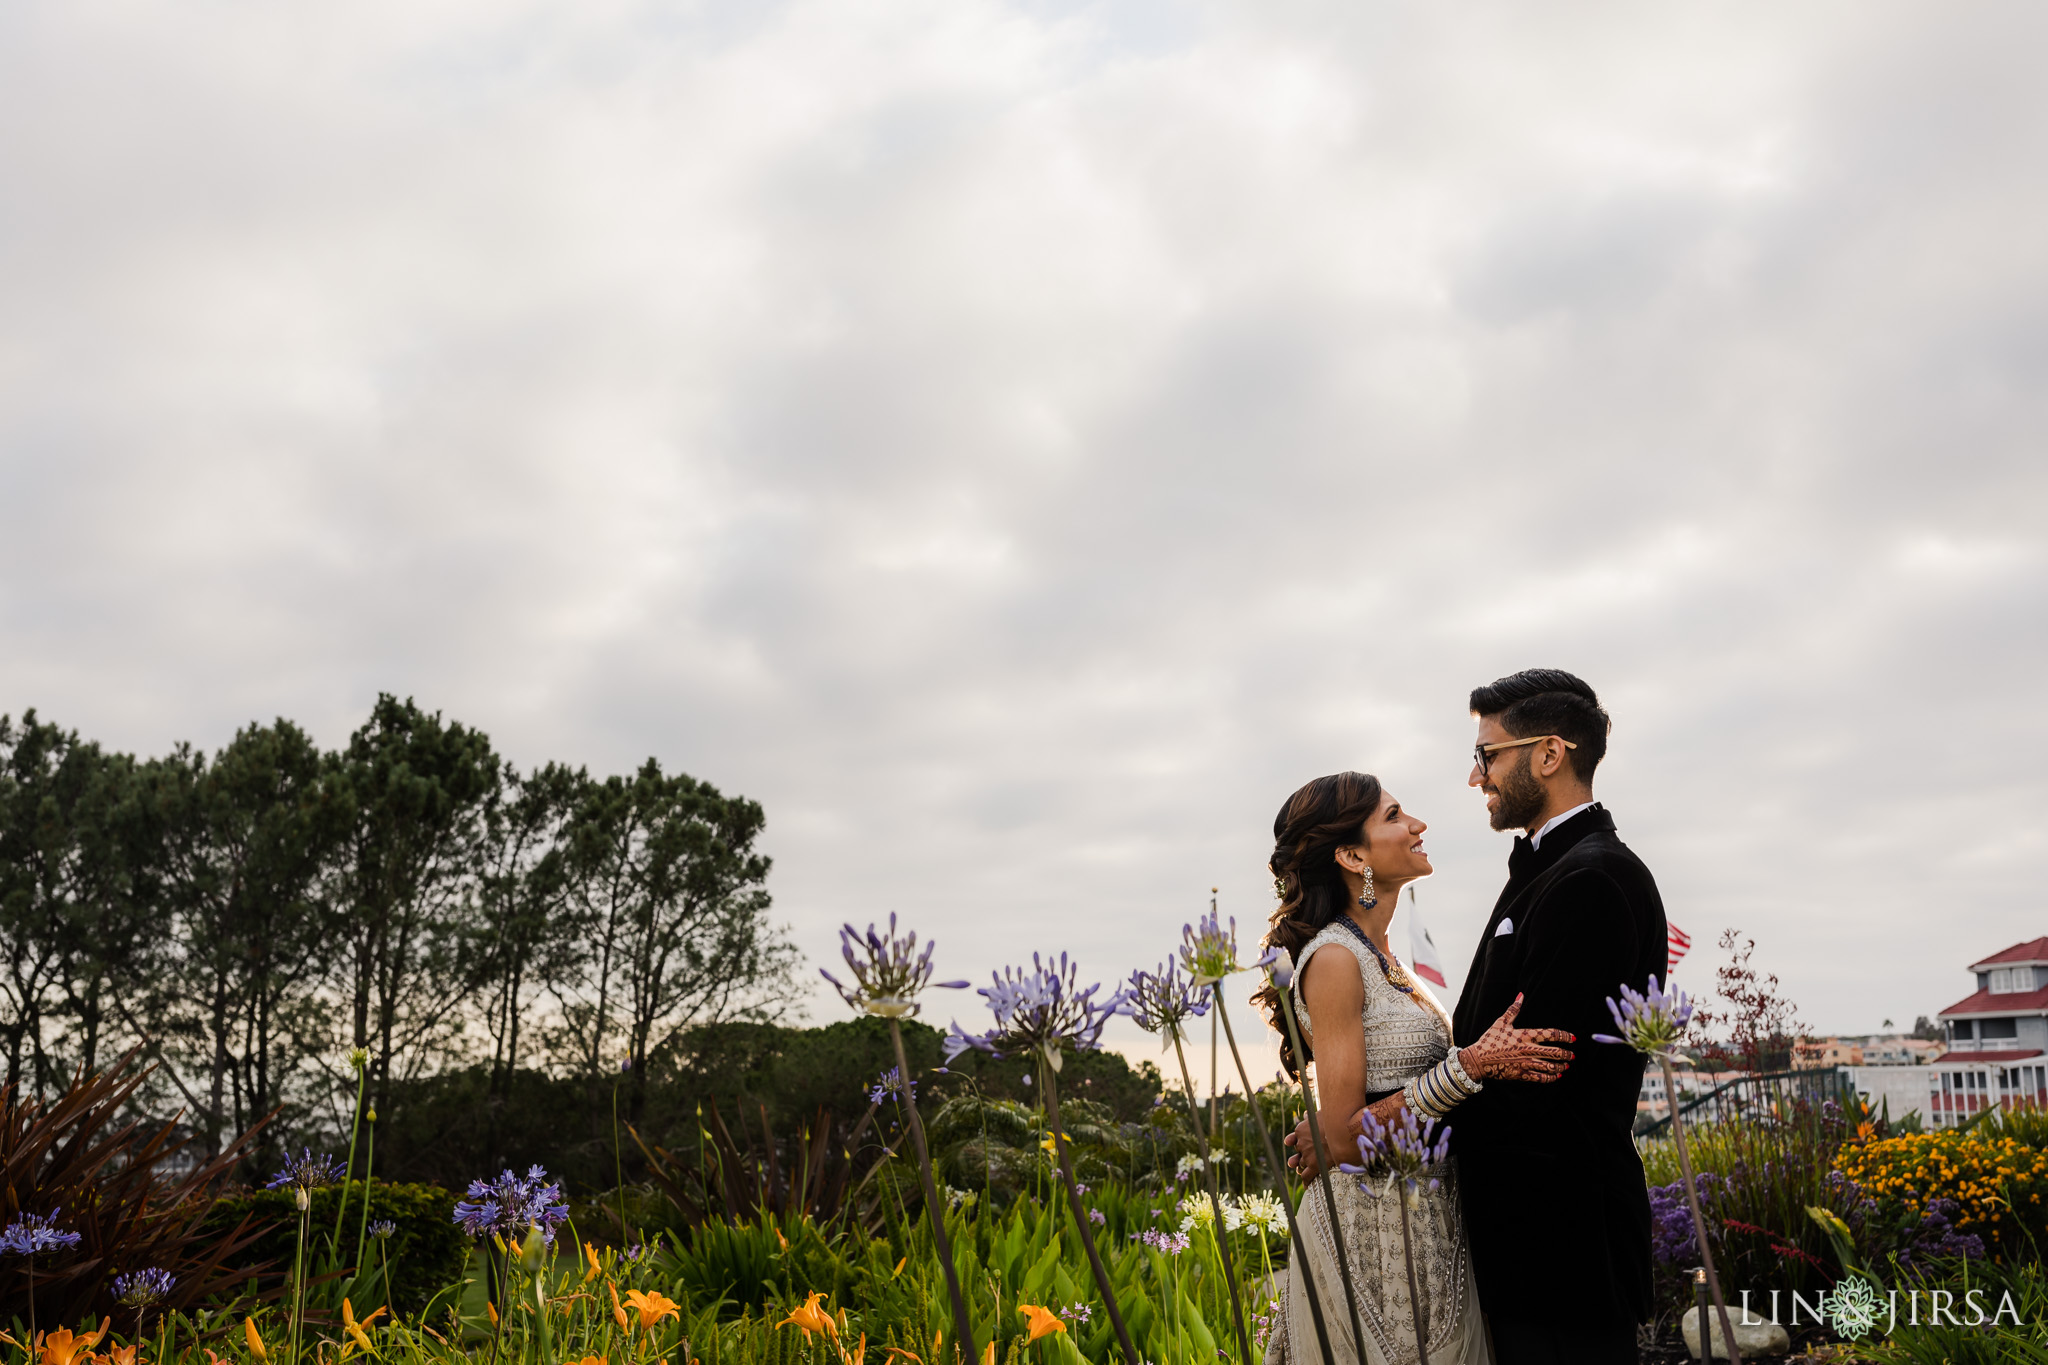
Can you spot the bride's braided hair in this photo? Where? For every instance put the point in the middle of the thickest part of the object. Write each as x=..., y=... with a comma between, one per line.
x=1324, y=816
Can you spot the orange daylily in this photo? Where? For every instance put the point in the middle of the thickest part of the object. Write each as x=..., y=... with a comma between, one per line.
x=618, y=1313
x=255, y=1341
x=653, y=1306
x=492, y=1309
x=890, y=1354
x=122, y=1355
x=988, y=1357
x=62, y=1346
x=590, y=1253
x=355, y=1328
x=899, y=1267
x=590, y=1360
x=1044, y=1322
x=812, y=1318
x=780, y=1238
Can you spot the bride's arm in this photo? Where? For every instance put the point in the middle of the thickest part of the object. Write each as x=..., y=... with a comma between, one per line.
x=1335, y=1002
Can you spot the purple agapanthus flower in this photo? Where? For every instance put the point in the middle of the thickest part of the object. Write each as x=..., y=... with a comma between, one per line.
x=1650, y=1021
x=888, y=971
x=306, y=1171
x=1162, y=1001
x=141, y=1288
x=1209, y=951
x=511, y=1204
x=1404, y=1148
x=383, y=1227
x=887, y=1087
x=34, y=1234
x=1045, y=1007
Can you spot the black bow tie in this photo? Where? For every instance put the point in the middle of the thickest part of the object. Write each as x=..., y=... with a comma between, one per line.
x=1520, y=855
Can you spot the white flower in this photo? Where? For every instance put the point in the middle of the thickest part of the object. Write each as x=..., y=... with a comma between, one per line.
x=1196, y=1213
x=1259, y=1212
x=1188, y=1164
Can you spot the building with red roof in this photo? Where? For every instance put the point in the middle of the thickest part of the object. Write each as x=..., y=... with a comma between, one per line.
x=2006, y=1017
x=1997, y=1042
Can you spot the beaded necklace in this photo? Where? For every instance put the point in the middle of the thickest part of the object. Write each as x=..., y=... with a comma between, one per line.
x=1396, y=977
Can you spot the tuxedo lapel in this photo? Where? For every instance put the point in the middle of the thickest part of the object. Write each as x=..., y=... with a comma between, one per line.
x=1526, y=862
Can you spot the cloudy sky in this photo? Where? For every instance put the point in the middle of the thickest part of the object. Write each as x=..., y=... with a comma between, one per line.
x=1020, y=443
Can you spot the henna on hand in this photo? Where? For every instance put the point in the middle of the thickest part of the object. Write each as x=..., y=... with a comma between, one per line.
x=1507, y=1053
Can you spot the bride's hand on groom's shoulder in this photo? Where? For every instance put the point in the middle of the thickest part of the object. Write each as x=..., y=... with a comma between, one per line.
x=1507, y=1053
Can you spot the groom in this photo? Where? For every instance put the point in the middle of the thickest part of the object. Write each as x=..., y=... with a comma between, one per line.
x=1553, y=1192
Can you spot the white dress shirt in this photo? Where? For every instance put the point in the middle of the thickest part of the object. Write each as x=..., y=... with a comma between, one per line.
x=1536, y=839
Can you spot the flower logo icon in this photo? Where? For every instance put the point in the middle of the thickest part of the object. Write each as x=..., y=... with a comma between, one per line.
x=1853, y=1307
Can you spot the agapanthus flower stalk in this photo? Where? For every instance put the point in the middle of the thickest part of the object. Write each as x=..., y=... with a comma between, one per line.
x=306, y=1171
x=1043, y=1010
x=1279, y=967
x=1046, y=1010
x=508, y=1206
x=1161, y=1002
x=888, y=974
x=888, y=971
x=1406, y=1153
x=1654, y=1022
x=143, y=1290
x=302, y=1174
x=31, y=1235
x=1209, y=951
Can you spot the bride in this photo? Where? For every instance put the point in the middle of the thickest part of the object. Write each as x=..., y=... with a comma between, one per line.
x=1343, y=849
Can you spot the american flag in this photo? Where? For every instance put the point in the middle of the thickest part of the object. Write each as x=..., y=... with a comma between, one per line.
x=1676, y=943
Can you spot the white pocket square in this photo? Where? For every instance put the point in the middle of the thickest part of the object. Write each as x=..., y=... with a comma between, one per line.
x=1507, y=926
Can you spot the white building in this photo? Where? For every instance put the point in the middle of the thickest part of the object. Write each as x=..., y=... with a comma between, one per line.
x=1997, y=1053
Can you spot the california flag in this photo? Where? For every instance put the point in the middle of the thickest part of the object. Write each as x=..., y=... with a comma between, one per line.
x=1422, y=953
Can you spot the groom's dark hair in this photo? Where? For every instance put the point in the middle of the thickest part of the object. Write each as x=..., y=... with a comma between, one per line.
x=1549, y=701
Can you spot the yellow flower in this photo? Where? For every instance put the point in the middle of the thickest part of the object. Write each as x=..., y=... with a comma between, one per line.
x=653, y=1307
x=492, y=1309
x=811, y=1318
x=255, y=1341
x=1044, y=1322
x=899, y=1267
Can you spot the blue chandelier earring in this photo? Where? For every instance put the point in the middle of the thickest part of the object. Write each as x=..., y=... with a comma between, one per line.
x=1367, y=897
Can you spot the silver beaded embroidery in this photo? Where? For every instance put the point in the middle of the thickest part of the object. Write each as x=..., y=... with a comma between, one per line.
x=1405, y=1035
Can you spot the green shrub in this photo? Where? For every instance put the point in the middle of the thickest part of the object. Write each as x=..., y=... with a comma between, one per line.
x=425, y=1252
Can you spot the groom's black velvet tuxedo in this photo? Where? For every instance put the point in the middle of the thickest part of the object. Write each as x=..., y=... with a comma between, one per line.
x=1552, y=1188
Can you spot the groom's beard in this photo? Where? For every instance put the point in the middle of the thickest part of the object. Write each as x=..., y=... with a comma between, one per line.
x=1521, y=797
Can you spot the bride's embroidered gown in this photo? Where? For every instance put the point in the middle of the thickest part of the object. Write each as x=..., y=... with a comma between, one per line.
x=1405, y=1035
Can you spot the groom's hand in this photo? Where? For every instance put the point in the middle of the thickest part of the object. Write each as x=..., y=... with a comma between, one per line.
x=1507, y=1053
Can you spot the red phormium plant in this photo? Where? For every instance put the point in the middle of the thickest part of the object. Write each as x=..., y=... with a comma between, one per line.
x=1761, y=1024
x=79, y=1155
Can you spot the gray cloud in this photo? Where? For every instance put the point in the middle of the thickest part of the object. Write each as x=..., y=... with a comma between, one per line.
x=1019, y=444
